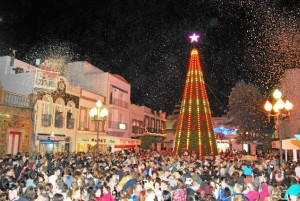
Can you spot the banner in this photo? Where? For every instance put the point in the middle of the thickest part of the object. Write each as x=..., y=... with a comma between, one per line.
x=45, y=79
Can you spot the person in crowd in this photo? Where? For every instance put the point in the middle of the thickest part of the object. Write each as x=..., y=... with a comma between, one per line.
x=31, y=193
x=293, y=191
x=58, y=197
x=192, y=190
x=119, y=176
x=14, y=195
x=166, y=196
x=247, y=171
x=53, y=179
x=251, y=193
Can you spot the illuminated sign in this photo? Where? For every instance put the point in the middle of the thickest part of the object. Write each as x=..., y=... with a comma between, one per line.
x=53, y=138
x=122, y=126
x=225, y=131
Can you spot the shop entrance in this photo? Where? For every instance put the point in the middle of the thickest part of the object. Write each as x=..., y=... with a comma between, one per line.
x=48, y=146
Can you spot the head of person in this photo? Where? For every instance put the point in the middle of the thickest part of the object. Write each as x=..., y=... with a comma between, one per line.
x=237, y=188
x=166, y=195
x=251, y=187
x=58, y=197
x=99, y=191
x=57, y=171
x=150, y=195
x=31, y=193
x=10, y=172
x=165, y=185
x=13, y=192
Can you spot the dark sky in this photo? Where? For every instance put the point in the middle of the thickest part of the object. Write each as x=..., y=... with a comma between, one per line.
x=146, y=41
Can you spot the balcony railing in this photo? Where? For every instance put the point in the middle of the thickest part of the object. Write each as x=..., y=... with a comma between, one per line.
x=155, y=130
x=137, y=130
x=70, y=123
x=59, y=120
x=17, y=100
x=46, y=120
x=119, y=103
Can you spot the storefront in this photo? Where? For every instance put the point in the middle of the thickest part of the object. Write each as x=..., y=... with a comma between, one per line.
x=292, y=144
x=86, y=142
x=48, y=143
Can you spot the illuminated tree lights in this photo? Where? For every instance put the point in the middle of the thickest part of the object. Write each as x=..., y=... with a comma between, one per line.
x=194, y=131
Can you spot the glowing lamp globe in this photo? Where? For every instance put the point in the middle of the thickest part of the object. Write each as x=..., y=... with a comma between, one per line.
x=93, y=112
x=104, y=112
x=99, y=103
x=277, y=94
x=268, y=106
x=288, y=105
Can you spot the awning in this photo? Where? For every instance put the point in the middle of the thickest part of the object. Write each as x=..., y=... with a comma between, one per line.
x=287, y=144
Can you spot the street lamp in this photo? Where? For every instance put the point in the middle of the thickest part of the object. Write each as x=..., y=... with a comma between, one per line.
x=98, y=114
x=278, y=109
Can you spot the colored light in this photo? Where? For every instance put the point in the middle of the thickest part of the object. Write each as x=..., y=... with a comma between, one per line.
x=194, y=38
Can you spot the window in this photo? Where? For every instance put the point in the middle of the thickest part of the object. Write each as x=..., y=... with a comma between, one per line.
x=70, y=108
x=47, y=104
x=59, y=115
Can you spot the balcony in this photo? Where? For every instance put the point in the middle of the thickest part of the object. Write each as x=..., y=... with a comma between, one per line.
x=17, y=100
x=46, y=120
x=119, y=103
x=155, y=130
x=59, y=120
x=70, y=123
x=137, y=130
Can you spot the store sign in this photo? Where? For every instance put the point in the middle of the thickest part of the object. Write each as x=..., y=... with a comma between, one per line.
x=45, y=79
x=53, y=138
x=112, y=141
x=129, y=141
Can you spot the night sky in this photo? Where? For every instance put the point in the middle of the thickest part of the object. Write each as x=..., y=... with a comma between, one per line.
x=146, y=41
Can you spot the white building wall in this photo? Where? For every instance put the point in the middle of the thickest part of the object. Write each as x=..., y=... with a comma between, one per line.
x=118, y=91
x=5, y=67
x=290, y=87
x=103, y=83
x=22, y=83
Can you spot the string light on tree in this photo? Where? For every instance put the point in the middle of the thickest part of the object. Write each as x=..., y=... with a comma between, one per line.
x=194, y=131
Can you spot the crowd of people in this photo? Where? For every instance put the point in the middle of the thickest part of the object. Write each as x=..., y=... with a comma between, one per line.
x=147, y=175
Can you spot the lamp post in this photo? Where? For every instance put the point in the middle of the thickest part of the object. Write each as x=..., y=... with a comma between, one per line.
x=278, y=109
x=98, y=114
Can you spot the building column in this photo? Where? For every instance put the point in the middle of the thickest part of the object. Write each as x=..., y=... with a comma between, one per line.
x=295, y=158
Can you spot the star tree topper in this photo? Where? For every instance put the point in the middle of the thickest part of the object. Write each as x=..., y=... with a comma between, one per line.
x=194, y=38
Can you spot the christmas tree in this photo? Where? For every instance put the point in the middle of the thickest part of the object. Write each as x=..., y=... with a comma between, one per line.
x=194, y=131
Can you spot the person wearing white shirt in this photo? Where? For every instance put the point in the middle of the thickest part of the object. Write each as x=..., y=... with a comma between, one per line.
x=52, y=179
x=297, y=170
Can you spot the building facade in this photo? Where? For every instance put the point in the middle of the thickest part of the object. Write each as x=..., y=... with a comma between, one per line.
x=56, y=114
x=15, y=122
